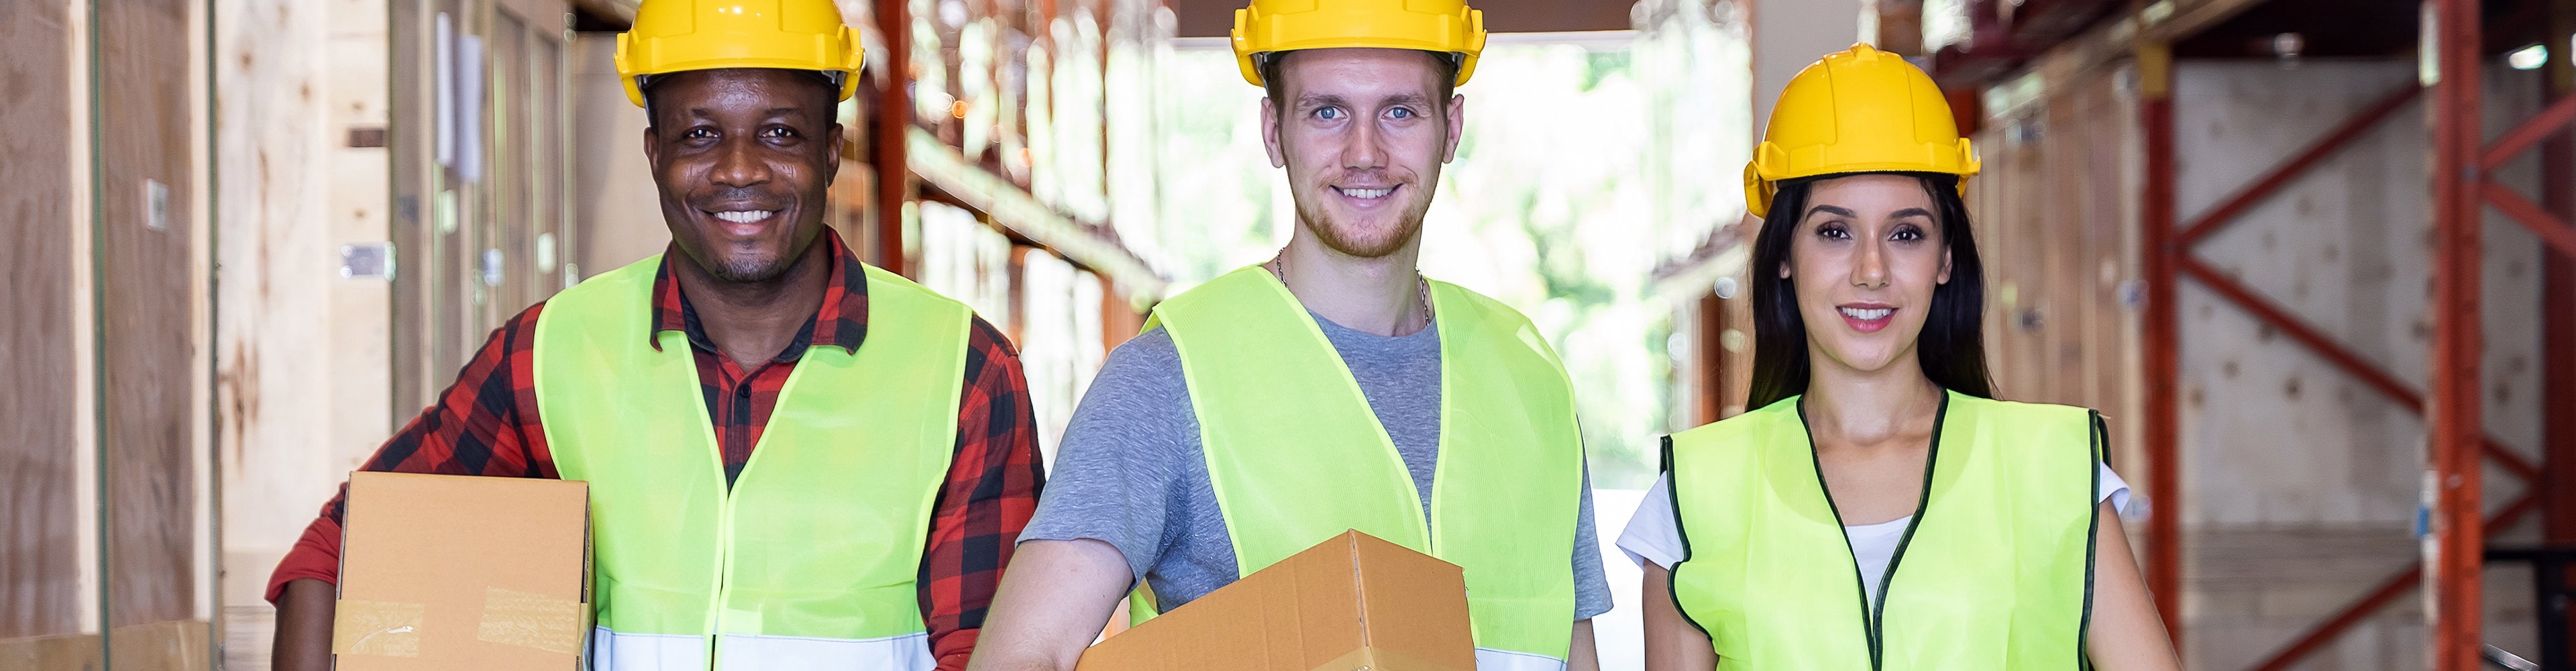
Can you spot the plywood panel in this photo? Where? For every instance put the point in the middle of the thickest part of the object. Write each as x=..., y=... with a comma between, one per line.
x=513, y=184
x=38, y=420
x=68, y=652
x=148, y=300
x=617, y=214
x=411, y=162
x=2061, y=247
x=176, y=645
x=2107, y=134
x=448, y=215
x=547, y=172
x=2009, y=209
x=302, y=371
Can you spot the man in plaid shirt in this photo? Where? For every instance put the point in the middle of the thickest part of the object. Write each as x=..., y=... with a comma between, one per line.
x=905, y=407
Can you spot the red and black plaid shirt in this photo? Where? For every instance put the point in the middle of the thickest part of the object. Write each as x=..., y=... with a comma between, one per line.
x=487, y=425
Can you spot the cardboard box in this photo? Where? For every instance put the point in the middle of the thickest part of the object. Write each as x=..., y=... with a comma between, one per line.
x=1353, y=602
x=449, y=572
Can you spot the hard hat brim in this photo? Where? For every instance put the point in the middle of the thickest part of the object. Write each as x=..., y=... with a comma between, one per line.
x=1252, y=62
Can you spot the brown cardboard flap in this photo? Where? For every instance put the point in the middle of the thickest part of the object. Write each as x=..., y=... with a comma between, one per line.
x=1351, y=602
x=1429, y=604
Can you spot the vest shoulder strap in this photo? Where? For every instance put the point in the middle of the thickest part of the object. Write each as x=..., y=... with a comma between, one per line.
x=910, y=296
x=1734, y=433
x=604, y=304
x=2044, y=426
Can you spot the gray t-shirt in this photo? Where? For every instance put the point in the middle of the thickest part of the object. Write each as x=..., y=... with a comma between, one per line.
x=1131, y=472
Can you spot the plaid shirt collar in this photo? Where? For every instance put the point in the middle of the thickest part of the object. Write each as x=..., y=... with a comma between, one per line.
x=841, y=322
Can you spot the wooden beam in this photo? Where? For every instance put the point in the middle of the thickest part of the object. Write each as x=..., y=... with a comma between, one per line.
x=147, y=302
x=1024, y=216
x=2189, y=17
x=618, y=13
x=44, y=255
x=2121, y=38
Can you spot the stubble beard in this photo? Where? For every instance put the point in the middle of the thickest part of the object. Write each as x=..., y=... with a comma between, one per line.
x=1408, y=225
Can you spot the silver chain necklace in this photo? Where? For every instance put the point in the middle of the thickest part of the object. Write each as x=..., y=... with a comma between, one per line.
x=1422, y=286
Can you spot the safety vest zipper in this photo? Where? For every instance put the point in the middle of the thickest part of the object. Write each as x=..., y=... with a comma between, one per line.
x=1873, y=607
x=724, y=586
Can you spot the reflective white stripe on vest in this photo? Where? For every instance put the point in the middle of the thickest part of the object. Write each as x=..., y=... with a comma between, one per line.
x=1489, y=659
x=612, y=651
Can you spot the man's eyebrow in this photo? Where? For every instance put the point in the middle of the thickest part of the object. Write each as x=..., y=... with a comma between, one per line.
x=1414, y=99
x=1321, y=100
x=702, y=113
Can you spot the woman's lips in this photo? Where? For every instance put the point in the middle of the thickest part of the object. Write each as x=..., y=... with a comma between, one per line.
x=1867, y=319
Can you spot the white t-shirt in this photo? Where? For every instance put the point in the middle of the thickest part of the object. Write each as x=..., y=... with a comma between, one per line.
x=1651, y=535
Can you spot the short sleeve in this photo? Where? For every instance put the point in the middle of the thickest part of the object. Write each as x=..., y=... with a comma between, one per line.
x=1120, y=467
x=2114, y=490
x=1653, y=533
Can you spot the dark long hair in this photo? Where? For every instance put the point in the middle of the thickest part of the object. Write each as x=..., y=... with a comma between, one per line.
x=1952, y=348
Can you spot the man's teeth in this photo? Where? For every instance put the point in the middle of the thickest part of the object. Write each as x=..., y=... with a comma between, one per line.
x=745, y=217
x=1869, y=315
x=1367, y=194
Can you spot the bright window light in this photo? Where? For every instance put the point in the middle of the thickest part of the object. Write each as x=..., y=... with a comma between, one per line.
x=2528, y=58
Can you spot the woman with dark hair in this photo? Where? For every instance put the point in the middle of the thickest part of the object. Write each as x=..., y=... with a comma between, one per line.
x=1878, y=508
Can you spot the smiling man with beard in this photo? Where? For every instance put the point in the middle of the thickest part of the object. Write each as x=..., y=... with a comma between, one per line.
x=1330, y=388
x=796, y=460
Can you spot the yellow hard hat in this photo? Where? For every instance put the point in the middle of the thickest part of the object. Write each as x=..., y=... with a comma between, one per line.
x=680, y=35
x=1857, y=110
x=1271, y=26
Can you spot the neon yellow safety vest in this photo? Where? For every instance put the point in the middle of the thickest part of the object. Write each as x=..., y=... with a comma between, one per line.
x=1296, y=455
x=1993, y=573
x=808, y=560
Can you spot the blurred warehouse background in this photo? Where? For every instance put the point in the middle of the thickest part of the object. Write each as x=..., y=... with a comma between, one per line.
x=2310, y=257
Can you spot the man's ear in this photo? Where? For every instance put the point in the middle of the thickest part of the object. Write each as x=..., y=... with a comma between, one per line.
x=1457, y=125
x=1270, y=133
x=832, y=150
x=832, y=153
x=652, y=144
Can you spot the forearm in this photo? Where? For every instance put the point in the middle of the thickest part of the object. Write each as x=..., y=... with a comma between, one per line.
x=1672, y=643
x=1584, y=654
x=1053, y=601
x=2127, y=634
x=304, y=612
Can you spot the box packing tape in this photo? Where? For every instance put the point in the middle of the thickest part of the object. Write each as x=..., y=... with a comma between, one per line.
x=379, y=628
x=528, y=620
